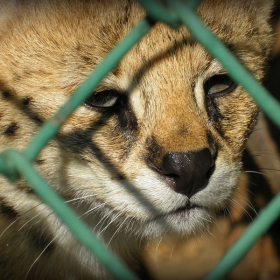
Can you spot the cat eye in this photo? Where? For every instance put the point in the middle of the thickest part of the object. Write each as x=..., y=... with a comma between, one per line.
x=219, y=85
x=103, y=100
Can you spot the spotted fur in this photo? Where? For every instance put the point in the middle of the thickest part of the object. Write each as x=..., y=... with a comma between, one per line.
x=114, y=166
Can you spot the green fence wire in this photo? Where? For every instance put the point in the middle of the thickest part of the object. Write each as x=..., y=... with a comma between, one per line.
x=174, y=13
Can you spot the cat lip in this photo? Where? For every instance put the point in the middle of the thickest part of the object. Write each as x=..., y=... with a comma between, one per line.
x=188, y=206
x=183, y=210
x=181, y=213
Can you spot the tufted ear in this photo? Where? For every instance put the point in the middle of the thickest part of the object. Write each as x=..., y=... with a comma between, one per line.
x=263, y=8
x=8, y=10
x=12, y=10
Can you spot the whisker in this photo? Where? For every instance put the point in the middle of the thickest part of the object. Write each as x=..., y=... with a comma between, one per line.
x=241, y=207
x=105, y=218
x=171, y=253
x=92, y=209
x=228, y=211
x=119, y=227
x=29, y=221
x=11, y=224
x=255, y=172
x=246, y=201
x=156, y=250
x=113, y=220
x=79, y=198
x=40, y=255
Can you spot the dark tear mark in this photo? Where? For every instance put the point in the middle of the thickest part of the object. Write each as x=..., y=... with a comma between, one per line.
x=214, y=114
x=8, y=210
x=125, y=125
x=6, y=95
x=11, y=129
x=126, y=117
x=212, y=143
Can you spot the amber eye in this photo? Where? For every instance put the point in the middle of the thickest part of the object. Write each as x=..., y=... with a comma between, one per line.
x=103, y=100
x=219, y=85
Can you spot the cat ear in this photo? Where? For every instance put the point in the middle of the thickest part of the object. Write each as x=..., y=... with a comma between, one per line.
x=12, y=10
x=263, y=7
x=7, y=10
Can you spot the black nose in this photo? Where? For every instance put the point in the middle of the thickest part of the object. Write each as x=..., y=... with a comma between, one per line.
x=191, y=171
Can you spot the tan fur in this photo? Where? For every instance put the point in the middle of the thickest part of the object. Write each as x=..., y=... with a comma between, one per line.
x=47, y=49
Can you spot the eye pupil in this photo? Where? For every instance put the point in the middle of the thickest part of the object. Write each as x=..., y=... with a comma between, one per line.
x=219, y=85
x=103, y=100
x=217, y=88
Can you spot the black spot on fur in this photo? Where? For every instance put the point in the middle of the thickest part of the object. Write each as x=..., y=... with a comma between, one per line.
x=11, y=129
x=45, y=242
x=121, y=176
x=8, y=210
x=78, y=47
x=152, y=146
x=29, y=190
x=39, y=161
x=41, y=240
x=6, y=95
x=86, y=59
x=26, y=101
x=36, y=119
x=154, y=151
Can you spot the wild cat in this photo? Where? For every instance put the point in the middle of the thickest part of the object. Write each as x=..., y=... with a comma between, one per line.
x=156, y=149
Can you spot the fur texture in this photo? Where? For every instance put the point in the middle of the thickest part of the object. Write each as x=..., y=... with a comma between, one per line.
x=158, y=109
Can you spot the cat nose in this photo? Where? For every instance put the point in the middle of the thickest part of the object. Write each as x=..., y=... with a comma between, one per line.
x=190, y=171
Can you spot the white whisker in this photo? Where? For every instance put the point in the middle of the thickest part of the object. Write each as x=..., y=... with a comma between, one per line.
x=119, y=227
x=112, y=221
x=40, y=255
x=11, y=224
x=29, y=221
x=241, y=207
x=255, y=172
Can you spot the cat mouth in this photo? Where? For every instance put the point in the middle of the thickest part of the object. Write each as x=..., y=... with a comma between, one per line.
x=183, y=211
x=189, y=206
x=184, y=220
